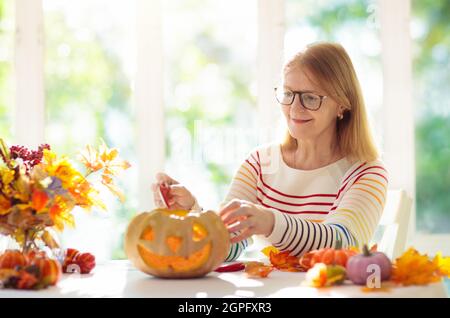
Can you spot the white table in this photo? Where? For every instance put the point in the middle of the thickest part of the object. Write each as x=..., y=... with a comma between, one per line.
x=120, y=279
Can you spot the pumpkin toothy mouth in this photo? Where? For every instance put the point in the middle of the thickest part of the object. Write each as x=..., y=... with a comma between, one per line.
x=176, y=263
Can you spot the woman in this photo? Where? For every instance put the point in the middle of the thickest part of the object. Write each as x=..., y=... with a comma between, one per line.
x=324, y=183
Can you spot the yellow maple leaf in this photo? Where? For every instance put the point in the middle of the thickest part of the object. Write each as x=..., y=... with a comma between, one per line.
x=115, y=190
x=266, y=250
x=443, y=262
x=7, y=175
x=90, y=158
x=413, y=268
x=107, y=154
x=48, y=239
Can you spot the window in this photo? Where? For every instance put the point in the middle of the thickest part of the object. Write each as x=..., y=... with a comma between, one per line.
x=352, y=24
x=7, y=80
x=431, y=40
x=210, y=48
x=89, y=68
x=211, y=78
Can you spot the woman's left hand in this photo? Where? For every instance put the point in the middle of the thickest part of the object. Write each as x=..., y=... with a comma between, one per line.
x=247, y=217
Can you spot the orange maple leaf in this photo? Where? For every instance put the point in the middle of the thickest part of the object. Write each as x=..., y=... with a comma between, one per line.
x=285, y=262
x=258, y=269
x=413, y=268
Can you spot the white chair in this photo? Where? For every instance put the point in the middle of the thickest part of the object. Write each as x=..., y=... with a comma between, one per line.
x=392, y=231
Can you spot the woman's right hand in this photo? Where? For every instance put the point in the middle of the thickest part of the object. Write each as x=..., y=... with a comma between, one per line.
x=179, y=197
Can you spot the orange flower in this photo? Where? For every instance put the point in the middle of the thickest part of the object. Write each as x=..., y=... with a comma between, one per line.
x=5, y=205
x=60, y=212
x=39, y=200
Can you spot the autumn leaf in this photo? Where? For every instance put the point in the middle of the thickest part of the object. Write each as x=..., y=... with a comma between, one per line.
x=413, y=268
x=285, y=262
x=443, y=263
x=4, y=151
x=49, y=240
x=384, y=287
x=258, y=269
x=90, y=158
x=7, y=175
x=108, y=161
x=282, y=260
x=64, y=218
x=115, y=190
x=266, y=250
x=106, y=154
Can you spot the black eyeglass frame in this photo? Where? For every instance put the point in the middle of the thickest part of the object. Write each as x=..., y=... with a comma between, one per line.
x=300, y=94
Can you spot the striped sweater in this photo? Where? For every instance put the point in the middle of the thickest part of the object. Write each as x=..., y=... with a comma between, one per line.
x=312, y=208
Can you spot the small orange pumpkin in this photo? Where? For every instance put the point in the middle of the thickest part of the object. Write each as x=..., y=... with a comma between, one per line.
x=32, y=254
x=49, y=269
x=177, y=243
x=327, y=256
x=10, y=259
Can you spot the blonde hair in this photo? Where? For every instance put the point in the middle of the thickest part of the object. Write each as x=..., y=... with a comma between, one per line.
x=331, y=66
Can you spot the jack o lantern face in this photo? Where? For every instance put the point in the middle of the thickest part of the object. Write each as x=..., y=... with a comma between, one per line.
x=175, y=247
x=179, y=244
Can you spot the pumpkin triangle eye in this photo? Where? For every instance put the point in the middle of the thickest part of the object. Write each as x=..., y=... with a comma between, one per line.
x=147, y=234
x=198, y=232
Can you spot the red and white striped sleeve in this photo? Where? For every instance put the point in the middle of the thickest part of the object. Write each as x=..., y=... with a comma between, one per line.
x=351, y=220
x=243, y=187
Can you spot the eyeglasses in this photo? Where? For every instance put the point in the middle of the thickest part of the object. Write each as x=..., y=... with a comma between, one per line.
x=308, y=100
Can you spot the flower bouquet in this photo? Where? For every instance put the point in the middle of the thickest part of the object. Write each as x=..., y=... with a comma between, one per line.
x=39, y=190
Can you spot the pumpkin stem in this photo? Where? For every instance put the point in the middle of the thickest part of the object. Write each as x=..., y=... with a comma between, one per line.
x=366, y=251
x=338, y=243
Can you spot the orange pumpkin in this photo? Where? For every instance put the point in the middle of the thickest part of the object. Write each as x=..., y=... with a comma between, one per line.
x=32, y=254
x=49, y=270
x=177, y=243
x=327, y=256
x=10, y=259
